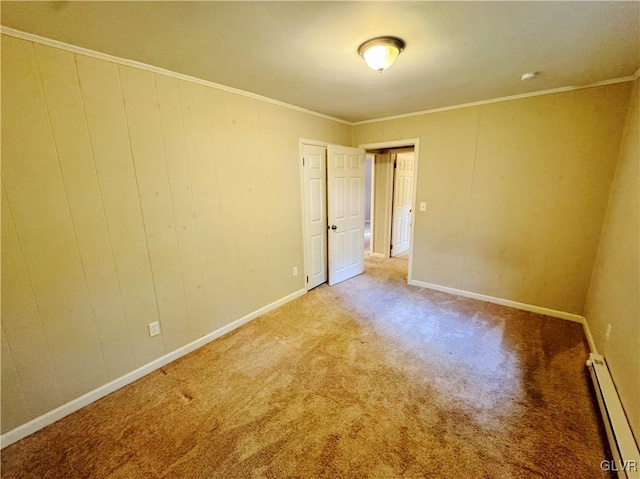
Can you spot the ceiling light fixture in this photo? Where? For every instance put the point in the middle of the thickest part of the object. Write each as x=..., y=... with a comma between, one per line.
x=379, y=53
x=529, y=76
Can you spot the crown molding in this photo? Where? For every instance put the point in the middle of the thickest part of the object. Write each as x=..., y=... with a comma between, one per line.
x=143, y=66
x=501, y=99
x=161, y=71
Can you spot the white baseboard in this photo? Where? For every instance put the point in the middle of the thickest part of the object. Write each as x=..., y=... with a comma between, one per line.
x=587, y=333
x=72, y=406
x=504, y=302
x=377, y=255
x=514, y=304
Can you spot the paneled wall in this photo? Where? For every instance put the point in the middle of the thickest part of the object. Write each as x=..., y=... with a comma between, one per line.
x=614, y=295
x=130, y=197
x=516, y=192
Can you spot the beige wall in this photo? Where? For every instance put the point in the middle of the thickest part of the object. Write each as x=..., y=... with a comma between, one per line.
x=130, y=197
x=614, y=295
x=516, y=192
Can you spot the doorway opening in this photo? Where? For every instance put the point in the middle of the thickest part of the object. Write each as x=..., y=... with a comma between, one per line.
x=341, y=214
x=333, y=198
x=390, y=192
x=394, y=167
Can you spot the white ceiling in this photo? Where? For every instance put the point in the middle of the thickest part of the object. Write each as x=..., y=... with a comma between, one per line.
x=304, y=53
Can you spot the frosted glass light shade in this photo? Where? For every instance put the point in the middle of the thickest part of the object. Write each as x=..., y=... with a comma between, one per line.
x=380, y=53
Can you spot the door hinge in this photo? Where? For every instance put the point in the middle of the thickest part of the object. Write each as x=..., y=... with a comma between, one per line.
x=307, y=279
x=391, y=246
x=303, y=161
x=395, y=164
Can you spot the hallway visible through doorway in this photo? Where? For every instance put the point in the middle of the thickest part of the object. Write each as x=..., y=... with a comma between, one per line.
x=389, y=199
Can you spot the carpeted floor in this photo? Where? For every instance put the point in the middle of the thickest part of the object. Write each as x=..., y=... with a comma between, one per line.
x=369, y=379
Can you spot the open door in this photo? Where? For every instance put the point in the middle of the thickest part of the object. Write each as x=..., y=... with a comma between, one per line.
x=402, y=198
x=345, y=212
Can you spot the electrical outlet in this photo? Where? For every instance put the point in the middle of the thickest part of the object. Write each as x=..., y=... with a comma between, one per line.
x=154, y=329
x=608, y=333
x=295, y=271
x=423, y=206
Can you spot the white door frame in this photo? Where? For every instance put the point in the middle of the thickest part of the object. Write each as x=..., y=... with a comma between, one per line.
x=409, y=142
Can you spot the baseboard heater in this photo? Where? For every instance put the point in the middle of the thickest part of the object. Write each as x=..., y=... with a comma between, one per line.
x=626, y=457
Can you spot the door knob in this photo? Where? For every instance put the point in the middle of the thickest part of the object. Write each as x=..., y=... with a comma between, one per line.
x=334, y=227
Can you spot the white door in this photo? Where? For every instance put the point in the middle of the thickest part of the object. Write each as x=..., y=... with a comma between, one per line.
x=345, y=211
x=315, y=213
x=402, y=195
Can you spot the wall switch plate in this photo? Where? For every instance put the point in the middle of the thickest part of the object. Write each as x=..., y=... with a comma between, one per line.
x=154, y=329
x=423, y=206
x=295, y=271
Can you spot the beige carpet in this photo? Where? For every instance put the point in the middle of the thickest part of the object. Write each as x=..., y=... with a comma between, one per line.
x=369, y=379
